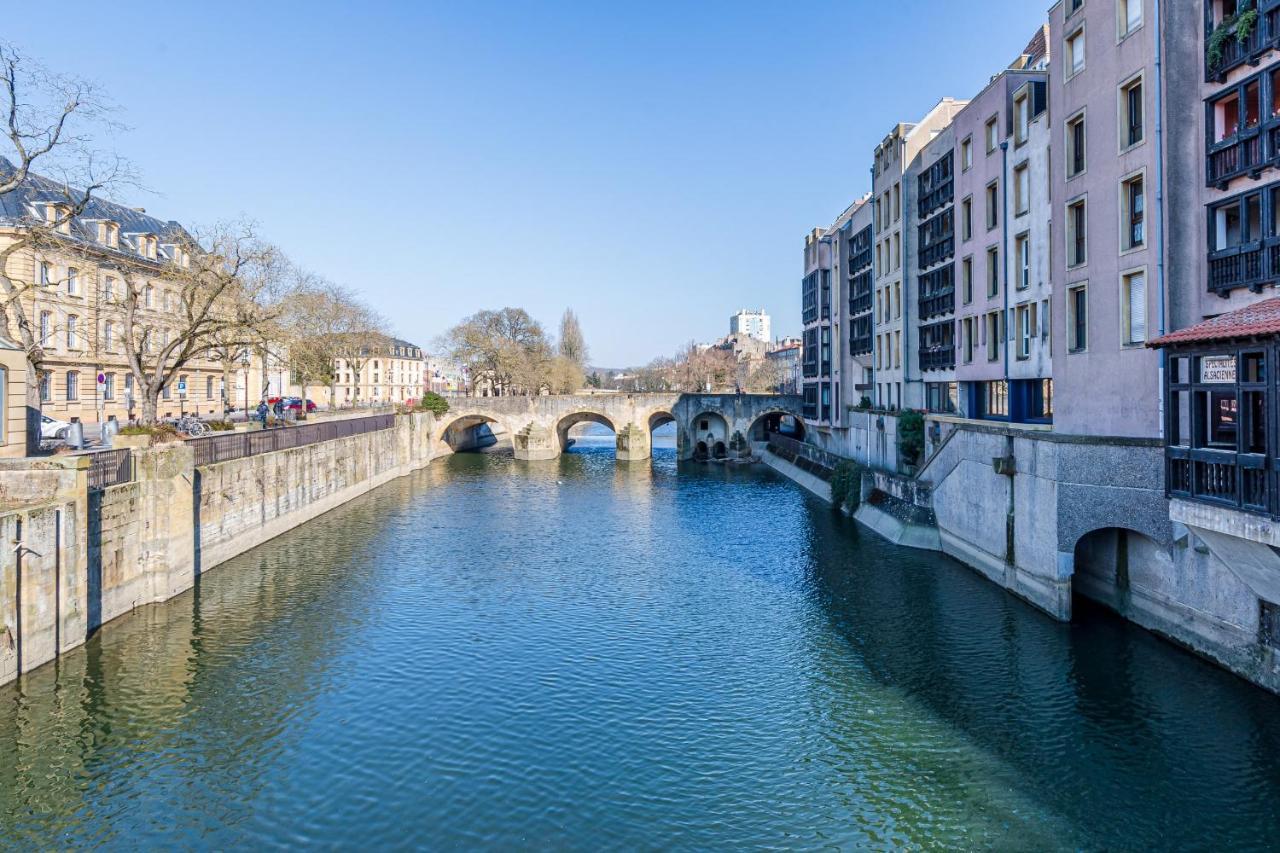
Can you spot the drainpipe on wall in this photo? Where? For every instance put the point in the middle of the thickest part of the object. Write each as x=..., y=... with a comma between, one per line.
x=1006, y=320
x=1160, y=284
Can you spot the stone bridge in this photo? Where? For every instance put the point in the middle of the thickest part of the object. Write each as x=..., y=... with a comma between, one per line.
x=538, y=427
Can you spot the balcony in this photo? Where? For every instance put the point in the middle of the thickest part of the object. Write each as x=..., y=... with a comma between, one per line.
x=937, y=252
x=1233, y=51
x=936, y=304
x=809, y=369
x=1243, y=266
x=859, y=304
x=938, y=358
x=860, y=336
x=1239, y=155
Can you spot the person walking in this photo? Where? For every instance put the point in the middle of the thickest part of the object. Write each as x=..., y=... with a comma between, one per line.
x=278, y=409
x=262, y=413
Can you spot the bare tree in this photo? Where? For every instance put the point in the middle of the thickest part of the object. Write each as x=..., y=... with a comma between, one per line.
x=49, y=122
x=221, y=289
x=573, y=345
x=365, y=339
x=506, y=349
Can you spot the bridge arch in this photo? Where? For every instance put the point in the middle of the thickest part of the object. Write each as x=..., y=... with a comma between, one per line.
x=569, y=421
x=710, y=435
x=779, y=421
x=470, y=431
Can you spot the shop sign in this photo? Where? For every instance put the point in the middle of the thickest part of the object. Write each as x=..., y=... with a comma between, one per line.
x=1218, y=369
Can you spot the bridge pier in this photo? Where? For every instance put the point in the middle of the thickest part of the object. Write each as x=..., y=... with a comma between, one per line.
x=536, y=442
x=634, y=444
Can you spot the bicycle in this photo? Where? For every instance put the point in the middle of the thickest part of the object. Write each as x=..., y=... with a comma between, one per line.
x=193, y=426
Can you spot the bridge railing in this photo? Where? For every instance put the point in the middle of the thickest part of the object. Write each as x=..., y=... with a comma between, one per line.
x=237, y=445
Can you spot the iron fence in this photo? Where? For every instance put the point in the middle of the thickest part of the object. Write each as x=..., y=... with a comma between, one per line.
x=237, y=445
x=110, y=468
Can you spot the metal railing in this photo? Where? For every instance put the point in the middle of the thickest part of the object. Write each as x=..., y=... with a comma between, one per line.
x=110, y=468
x=238, y=445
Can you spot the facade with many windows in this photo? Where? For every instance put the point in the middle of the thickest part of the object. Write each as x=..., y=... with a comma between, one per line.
x=392, y=373
x=74, y=303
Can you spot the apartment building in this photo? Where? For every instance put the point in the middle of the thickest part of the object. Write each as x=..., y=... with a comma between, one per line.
x=817, y=366
x=755, y=324
x=931, y=268
x=74, y=303
x=857, y=237
x=391, y=373
x=897, y=380
x=1003, y=314
x=1104, y=170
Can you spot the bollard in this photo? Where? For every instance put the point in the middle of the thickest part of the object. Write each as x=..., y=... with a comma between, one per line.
x=75, y=435
x=109, y=430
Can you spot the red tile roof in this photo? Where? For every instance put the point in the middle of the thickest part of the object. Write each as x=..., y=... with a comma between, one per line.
x=1256, y=320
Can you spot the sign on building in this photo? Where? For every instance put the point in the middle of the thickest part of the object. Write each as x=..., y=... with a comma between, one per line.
x=1218, y=369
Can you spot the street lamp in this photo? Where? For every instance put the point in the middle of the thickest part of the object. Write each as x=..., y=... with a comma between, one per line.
x=244, y=362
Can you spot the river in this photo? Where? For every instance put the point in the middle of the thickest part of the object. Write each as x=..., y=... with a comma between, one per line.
x=579, y=655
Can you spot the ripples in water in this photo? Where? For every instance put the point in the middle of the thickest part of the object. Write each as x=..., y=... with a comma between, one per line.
x=583, y=655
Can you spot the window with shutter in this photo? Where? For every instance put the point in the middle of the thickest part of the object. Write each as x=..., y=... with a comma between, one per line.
x=1135, y=285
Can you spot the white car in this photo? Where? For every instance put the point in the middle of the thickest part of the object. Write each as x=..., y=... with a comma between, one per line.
x=51, y=428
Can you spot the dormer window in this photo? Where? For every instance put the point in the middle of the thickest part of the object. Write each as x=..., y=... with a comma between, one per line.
x=109, y=234
x=147, y=244
x=59, y=216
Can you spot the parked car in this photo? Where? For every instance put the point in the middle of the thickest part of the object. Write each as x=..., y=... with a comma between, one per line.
x=51, y=428
x=294, y=403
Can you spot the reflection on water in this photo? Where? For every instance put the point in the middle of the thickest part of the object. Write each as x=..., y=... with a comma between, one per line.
x=581, y=654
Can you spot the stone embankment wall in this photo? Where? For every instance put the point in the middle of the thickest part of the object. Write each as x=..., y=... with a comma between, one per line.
x=72, y=559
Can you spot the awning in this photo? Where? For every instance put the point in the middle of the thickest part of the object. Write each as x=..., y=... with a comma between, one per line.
x=1257, y=320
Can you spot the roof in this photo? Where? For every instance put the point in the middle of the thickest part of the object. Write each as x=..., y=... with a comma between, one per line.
x=19, y=208
x=1037, y=50
x=1256, y=320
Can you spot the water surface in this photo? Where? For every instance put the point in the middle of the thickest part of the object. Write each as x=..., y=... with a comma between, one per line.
x=580, y=655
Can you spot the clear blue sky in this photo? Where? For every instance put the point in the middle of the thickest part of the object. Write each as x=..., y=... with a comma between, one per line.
x=653, y=165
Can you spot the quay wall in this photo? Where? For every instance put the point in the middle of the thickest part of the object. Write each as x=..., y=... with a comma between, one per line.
x=1054, y=518
x=73, y=558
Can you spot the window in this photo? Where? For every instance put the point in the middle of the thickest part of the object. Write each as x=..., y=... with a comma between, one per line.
x=73, y=324
x=148, y=294
x=1074, y=6
x=46, y=387
x=966, y=219
x=109, y=386
x=73, y=385
x=1021, y=118
x=1133, y=304
x=1021, y=189
x=966, y=280
x=1237, y=222
x=1132, y=123
x=966, y=153
x=995, y=399
x=45, y=274
x=46, y=327
x=1132, y=214
x=208, y=387
x=992, y=133
x=993, y=271
x=897, y=202
x=993, y=335
x=1022, y=323
x=1078, y=318
x=1077, y=230
x=1075, y=146
x=128, y=388
x=1075, y=53
x=1022, y=258
x=165, y=392
x=993, y=205
x=968, y=339
x=1130, y=16
x=73, y=281
x=108, y=336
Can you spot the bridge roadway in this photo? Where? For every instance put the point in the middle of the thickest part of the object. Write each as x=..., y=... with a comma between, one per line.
x=538, y=427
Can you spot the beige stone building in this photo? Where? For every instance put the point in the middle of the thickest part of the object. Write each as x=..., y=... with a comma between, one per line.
x=73, y=303
x=390, y=374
